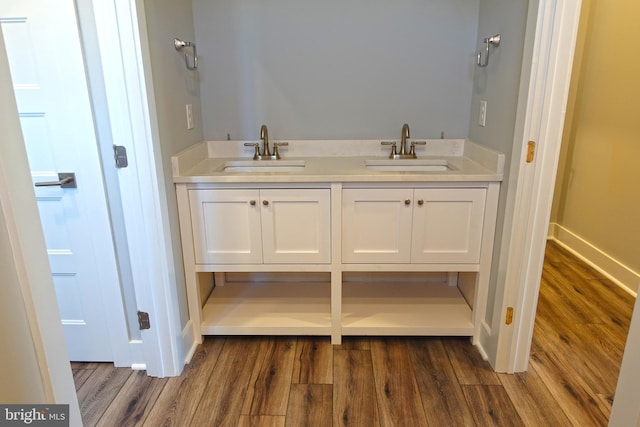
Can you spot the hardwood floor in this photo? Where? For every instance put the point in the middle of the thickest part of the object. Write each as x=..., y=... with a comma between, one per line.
x=579, y=337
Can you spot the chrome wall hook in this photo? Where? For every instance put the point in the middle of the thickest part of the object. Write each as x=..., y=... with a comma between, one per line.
x=490, y=41
x=180, y=45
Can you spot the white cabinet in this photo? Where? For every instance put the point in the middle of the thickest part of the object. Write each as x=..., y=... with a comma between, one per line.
x=419, y=226
x=255, y=226
x=337, y=259
x=441, y=231
x=296, y=226
x=226, y=226
x=376, y=225
x=447, y=225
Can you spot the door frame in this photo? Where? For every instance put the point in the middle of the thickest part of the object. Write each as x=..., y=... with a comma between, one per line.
x=120, y=26
x=526, y=229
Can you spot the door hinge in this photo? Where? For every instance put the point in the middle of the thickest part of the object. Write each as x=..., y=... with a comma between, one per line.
x=143, y=320
x=509, y=318
x=531, y=149
x=120, y=154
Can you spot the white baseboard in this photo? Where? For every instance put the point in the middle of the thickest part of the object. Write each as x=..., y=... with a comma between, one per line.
x=189, y=344
x=613, y=269
x=484, y=342
x=484, y=338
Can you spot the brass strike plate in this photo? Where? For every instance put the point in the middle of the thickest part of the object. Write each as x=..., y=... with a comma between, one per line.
x=531, y=148
x=509, y=318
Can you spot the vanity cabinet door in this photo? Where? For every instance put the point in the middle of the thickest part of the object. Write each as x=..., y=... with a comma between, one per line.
x=376, y=225
x=296, y=226
x=226, y=226
x=447, y=225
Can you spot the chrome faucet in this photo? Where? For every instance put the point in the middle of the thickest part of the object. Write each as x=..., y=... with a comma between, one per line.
x=266, y=152
x=404, y=135
x=404, y=153
x=264, y=136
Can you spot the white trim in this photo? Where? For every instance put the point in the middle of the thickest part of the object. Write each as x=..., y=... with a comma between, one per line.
x=482, y=351
x=625, y=411
x=121, y=36
x=556, y=33
x=189, y=344
x=602, y=262
x=126, y=338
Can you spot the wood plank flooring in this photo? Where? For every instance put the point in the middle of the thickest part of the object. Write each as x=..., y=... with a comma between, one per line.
x=579, y=338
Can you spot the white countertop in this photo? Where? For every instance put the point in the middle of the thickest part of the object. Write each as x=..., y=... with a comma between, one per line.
x=205, y=163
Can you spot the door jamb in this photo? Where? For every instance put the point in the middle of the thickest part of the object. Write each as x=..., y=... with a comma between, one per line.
x=141, y=183
x=126, y=340
x=555, y=40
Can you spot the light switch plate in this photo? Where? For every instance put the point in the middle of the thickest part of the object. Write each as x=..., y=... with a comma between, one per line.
x=189, y=116
x=482, y=116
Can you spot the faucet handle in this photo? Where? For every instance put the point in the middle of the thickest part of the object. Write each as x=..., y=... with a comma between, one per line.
x=275, y=148
x=393, y=148
x=256, y=154
x=413, y=146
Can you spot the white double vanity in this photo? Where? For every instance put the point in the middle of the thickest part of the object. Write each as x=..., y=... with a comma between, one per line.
x=337, y=239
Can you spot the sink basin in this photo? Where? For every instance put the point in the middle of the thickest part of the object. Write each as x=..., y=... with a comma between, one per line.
x=409, y=165
x=244, y=166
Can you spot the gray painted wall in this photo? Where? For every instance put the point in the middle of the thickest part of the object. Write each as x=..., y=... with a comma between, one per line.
x=359, y=69
x=352, y=70
x=173, y=87
x=334, y=69
x=499, y=85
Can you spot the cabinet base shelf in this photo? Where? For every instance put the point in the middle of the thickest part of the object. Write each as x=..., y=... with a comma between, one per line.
x=434, y=309
x=263, y=308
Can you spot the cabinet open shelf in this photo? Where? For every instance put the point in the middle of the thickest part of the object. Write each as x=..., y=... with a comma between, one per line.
x=405, y=309
x=265, y=308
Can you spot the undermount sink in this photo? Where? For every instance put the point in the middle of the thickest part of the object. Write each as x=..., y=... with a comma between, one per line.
x=243, y=166
x=409, y=165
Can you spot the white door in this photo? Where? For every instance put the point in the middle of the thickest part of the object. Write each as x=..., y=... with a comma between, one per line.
x=47, y=69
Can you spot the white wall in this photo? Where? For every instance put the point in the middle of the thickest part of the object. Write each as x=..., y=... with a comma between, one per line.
x=499, y=85
x=173, y=86
x=334, y=69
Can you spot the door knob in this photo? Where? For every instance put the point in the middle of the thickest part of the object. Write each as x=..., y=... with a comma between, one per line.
x=265, y=202
x=65, y=180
